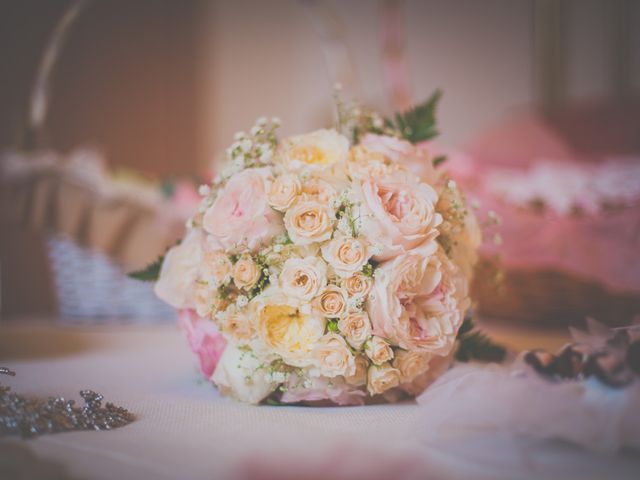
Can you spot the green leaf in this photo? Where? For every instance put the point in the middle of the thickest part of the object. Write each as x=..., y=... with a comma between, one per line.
x=150, y=273
x=439, y=160
x=419, y=123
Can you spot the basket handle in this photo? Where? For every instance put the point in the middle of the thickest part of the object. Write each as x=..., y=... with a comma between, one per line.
x=39, y=99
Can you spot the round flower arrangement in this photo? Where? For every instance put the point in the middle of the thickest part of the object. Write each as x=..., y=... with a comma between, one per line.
x=323, y=268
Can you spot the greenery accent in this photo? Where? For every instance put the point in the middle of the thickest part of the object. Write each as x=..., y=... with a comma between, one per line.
x=150, y=273
x=439, y=160
x=475, y=345
x=418, y=123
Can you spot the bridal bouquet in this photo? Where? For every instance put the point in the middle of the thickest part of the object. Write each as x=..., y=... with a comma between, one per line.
x=331, y=266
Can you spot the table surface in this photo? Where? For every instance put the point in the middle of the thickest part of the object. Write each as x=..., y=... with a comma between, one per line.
x=185, y=429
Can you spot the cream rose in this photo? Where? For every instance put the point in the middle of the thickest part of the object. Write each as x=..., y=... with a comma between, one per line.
x=236, y=326
x=309, y=221
x=396, y=211
x=288, y=332
x=357, y=284
x=378, y=350
x=241, y=215
x=359, y=377
x=303, y=278
x=284, y=191
x=246, y=272
x=316, y=150
x=382, y=378
x=410, y=364
x=207, y=300
x=319, y=189
x=331, y=357
x=332, y=302
x=238, y=374
x=356, y=328
x=179, y=272
x=416, y=302
x=217, y=268
x=345, y=254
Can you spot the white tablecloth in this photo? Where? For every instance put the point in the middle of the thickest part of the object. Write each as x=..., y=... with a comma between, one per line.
x=185, y=429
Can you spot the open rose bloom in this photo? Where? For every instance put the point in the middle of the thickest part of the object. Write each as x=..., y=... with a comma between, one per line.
x=319, y=270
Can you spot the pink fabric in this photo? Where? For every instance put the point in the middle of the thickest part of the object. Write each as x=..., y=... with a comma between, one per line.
x=206, y=342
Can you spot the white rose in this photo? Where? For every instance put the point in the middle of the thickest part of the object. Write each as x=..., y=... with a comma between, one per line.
x=284, y=190
x=303, y=278
x=179, y=271
x=382, y=378
x=309, y=221
x=345, y=254
x=378, y=350
x=331, y=357
x=356, y=328
x=239, y=375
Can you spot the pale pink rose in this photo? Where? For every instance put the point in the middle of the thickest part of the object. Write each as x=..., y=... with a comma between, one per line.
x=284, y=191
x=397, y=212
x=331, y=357
x=414, y=302
x=437, y=366
x=217, y=268
x=205, y=340
x=413, y=157
x=241, y=215
x=236, y=325
x=345, y=254
x=320, y=390
x=411, y=364
x=179, y=272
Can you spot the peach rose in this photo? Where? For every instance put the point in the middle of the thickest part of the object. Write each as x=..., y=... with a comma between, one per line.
x=179, y=271
x=397, y=211
x=332, y=302
x=331, y=357
x=415, y=302
x=356, y=328
x=207, y=300
x=303, y=278
x=345, y=254
x=309, y=221
x=382, y=378
x=359, y=377
x=217, y=268
x=378, y=350
x=246, y=272
x=410, y=364
x=284, y=190
x=241, y=215
x=357, y=284
x=316, y=150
